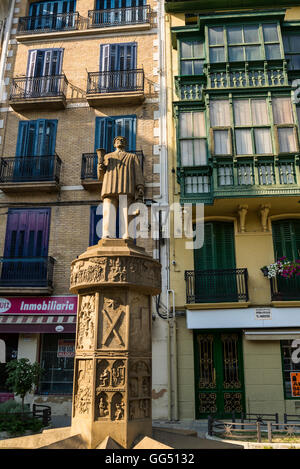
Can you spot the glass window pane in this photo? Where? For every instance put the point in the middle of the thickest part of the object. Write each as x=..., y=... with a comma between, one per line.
x=251, y=33
x=198, y=49
x=259, y=110
x=200, y=157
x=186, y=124
x=234, y=35
x=273, y=51
x=186, y=149
x=198, y=67
x=243, y=142
x=215, y=35
x=286, y=171
x=199, y=124
x=282, y=111
x=270, y=32
x=294, y=41
x=252, y=52
x=263, y=143
x=220, y=113
x=294, y=61
x=187, y=67
x=241, y=110
x=286, y=138
x=245, y=174
x=221, y=142
x=266, y=174
x=225, y=176
x=236, y=53
x=217, y=54
x=186, y=50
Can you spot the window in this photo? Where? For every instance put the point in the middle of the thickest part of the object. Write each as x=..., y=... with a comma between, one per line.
x=245, y=174
x=197, y=184
x=44, y=62
x=220, y=127
x=287, y=173
x=225, y=175
x=57, y=15
x=286, y=239
x=36, y=138
x=252, y=127
x=245, y=42
x=291, y=43
x=108, y=4
x=58, y=369
x=192, y=137
x=107, y=128
x=266, y=174
x=289, y=368
x=114, y=57
x=191, y=57
x=284, y=125
x=52, y=7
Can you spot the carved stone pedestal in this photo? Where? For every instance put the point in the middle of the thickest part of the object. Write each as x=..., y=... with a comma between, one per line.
x=114, y=281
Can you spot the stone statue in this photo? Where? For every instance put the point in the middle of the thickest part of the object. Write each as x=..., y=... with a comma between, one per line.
x=121, y=175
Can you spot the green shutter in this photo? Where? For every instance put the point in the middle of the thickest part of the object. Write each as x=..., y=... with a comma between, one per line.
x=286, y=239
x=218, y=249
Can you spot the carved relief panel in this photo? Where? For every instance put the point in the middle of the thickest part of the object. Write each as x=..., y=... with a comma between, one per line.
x=110, y=389
x=112, y=323
x=86, y=323
x=83, y=388
x=140, y=389
x=140, y=324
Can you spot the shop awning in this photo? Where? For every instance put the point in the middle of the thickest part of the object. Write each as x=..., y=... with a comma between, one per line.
x=35, y=323
x=272, y=334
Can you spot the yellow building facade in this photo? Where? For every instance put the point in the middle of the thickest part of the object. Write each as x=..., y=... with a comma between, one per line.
x=236, y=329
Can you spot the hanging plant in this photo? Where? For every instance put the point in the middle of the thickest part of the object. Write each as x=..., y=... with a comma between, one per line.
x=282, y=267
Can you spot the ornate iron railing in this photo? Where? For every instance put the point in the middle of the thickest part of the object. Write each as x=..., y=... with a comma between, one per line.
x=285, y=289
x=213, y=286
x=115, y=81
x=26, y=271
x=38, y=87
x=119, y=16
x=47, y=23
x=89, y=164
x=30, y=169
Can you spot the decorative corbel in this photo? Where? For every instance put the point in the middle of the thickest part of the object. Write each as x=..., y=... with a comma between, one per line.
x=264, y=214
x=242, y=211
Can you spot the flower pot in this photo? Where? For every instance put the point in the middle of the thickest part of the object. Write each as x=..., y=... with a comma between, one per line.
x=265, y=271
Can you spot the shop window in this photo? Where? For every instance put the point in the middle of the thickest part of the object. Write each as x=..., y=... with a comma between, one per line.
x=290, y=368
x=57, y=361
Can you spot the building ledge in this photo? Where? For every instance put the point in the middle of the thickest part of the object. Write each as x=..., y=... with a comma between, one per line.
x=24, y=291
x=91, y=184
x=51, y=35
x=285, y=304
x=124, y=97
x=38, y=186
x=43, y=102
x=228, y=305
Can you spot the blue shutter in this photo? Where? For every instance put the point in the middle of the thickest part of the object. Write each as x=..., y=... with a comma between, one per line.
x=107, y=128
x=36, y=138
x=118, y=56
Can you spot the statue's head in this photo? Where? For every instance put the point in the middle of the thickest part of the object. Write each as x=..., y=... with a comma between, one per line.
x=120, y=142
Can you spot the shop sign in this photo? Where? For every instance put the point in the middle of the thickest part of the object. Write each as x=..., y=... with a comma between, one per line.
x=295, y=383
x=263, y=313
x=66, y=349
x=39, y=305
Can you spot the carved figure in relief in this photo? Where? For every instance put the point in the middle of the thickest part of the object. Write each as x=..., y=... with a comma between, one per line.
x=104, y=378
x=103, y=406
x=83, y=395
x=117, y=406
x=86, y=322
x=119, y=412
x=118, y=374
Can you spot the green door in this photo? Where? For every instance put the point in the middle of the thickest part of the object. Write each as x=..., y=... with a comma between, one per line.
x=219, y=380
x=215, y=277
x=286, y=240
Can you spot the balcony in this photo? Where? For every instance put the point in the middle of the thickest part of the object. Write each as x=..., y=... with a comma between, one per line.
x=47, y=92
x=89, y=162
x=216, y=286
x=115, y=87
x=123, y=18
x=32, y=25
x=284, y=289
x=26, y=275
x=30, y=173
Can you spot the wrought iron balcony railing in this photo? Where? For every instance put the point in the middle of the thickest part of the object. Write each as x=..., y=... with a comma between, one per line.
x=216, y=286
x=30, y=169
x=285, y=289
x=38, y=87
x=115, y=81
x=26, y=271
x=48, y=23
x=119, y=16
x=89, y=164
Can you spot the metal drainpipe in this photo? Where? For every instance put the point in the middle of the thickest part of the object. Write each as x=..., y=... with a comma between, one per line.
x=7, y=29
x=174, y=367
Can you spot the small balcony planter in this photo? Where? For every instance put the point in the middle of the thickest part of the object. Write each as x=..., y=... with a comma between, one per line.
x=265, y=271
x=282, y=268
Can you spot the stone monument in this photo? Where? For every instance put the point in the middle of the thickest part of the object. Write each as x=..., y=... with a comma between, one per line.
x=115, y=281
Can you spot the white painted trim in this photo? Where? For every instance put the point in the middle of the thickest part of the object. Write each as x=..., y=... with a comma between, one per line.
x=72, y=188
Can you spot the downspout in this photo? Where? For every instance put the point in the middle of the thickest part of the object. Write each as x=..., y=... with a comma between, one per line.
x=6, y=35
x=174, y=375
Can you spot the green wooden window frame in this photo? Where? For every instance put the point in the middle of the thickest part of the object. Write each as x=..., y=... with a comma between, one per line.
x=292, y=53
x=288, y=367
x=191, y=59
x=192, y=140
x=224, y=47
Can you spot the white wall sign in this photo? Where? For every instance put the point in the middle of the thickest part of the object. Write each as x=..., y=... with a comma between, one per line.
x=263, y=313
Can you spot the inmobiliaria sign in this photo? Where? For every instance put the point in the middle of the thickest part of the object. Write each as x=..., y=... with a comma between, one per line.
x=39, y=305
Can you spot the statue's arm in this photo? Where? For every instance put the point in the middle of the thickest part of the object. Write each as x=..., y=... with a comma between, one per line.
x=101, y=166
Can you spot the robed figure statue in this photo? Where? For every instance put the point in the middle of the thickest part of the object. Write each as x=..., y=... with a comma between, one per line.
x=122, y=184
